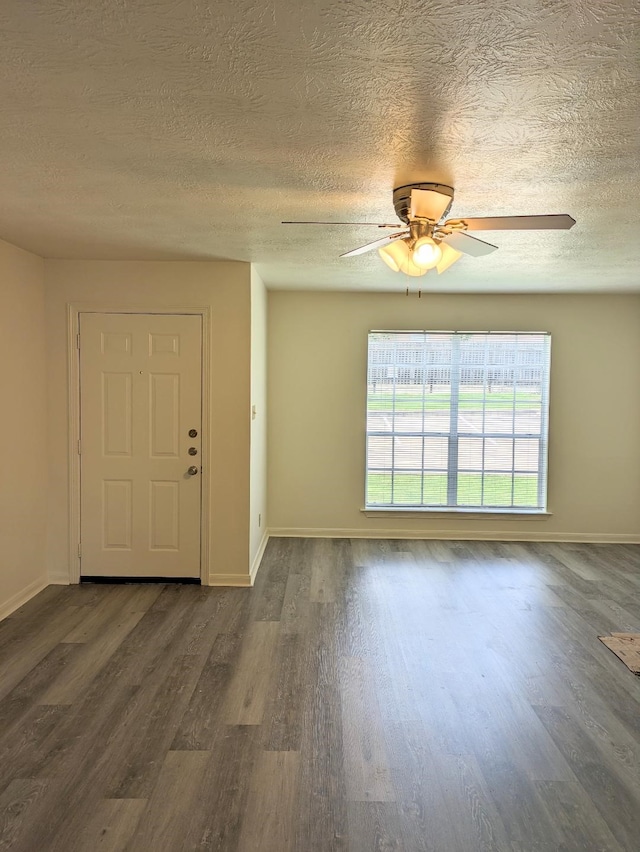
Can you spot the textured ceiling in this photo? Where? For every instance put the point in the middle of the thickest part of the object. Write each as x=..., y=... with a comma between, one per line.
x=186, y=129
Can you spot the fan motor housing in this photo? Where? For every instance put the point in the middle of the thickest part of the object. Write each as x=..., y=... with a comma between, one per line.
x=402, y=197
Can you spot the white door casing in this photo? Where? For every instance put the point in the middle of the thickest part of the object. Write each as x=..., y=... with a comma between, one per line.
x=140, y=395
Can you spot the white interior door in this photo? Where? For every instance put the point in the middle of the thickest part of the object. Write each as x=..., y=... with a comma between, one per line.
x=140, y=444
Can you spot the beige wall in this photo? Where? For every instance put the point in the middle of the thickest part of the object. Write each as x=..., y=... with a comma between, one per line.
x=226, y=289
x=258, y=521
x=23, y=434
x=317, y=390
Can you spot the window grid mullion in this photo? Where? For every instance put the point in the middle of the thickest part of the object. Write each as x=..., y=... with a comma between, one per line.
x=484, y=415
x=513, y=421
x=544, y=425
x=424, y=391
x=454, y=404
x=393, y=420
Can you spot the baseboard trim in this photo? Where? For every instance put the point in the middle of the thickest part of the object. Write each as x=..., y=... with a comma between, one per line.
x=255, y=565
x=456, y=535
x=21, y=597
x=238, y=580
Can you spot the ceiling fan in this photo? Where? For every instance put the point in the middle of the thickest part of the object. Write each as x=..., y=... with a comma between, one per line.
x=425, y=242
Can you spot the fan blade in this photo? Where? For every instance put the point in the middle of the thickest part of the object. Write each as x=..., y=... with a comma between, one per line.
x=376, y=244
x=468, y=245
x=363, y=224
x=516, y=223
x=428, y=204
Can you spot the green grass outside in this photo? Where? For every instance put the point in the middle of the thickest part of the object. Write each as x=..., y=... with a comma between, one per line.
x=407, y=489
x=442, y=401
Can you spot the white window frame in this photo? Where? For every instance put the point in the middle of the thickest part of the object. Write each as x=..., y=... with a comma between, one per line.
x=452, y=436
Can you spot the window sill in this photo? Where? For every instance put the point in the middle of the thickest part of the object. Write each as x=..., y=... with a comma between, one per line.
x=469, y=514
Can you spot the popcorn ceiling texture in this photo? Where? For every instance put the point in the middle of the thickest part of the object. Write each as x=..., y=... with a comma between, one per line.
x=189, y=130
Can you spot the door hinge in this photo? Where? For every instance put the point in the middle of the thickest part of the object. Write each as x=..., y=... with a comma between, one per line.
x=79, y=447
x=78, y=341
x=79, y=550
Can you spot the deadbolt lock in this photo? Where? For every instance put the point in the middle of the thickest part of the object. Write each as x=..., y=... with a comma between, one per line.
x=192, y=451
x=193, y=433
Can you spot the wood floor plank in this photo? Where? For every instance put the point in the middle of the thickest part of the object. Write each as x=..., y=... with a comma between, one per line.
x=271, y=584
x=110, y=827
x=162, y=706
x=417, y=696
x=15, y=807
x=612, y=795
x=74, y=756
x=23, y=742
x=32, y=613
x=268, y=821
x=87, y=664
x=284, y=710
x=426, y=823
x=17, y=703
x=366, y=765
x=578, y=823
x=165, y=821
x=209, y=617
x=329, y=557
x=322, y=805
x=247, y=693
x=375, y=827
x=198, y=726
x=475, y=819
x=217, y=820
x=294, y=617
x=19, y=658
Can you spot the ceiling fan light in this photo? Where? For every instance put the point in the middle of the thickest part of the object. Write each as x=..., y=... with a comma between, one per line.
x=397, y=256
x=410, y=268
x=426, y=253
x=388, y=254
x=449, y=257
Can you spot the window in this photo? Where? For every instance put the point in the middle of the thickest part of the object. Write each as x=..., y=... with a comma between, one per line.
x=457, y=420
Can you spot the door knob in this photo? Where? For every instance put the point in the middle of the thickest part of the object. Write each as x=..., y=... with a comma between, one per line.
x=192, y=470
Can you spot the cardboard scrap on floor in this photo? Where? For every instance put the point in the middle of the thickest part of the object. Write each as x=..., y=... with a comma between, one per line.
x=626, y=646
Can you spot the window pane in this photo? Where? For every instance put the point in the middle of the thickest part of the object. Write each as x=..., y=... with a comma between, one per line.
x=407, y=420
x=499, y=414
x=379, y=408
x=407, y=489
x=525, y=490
x=437, y=416
x=435, y=489
x=470, y=489
x=408, y=453
x=379, y=452
x=527, y=421
x=378, y=489
x=469, y=454
x=436, y=453
x=498, y=454
x=526, y=454
x=470, y=420
x=497, y=489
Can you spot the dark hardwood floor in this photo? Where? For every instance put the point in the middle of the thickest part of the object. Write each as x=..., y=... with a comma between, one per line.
x=365, y=695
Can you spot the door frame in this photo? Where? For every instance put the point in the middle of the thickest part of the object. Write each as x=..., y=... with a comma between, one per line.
x=74, y=309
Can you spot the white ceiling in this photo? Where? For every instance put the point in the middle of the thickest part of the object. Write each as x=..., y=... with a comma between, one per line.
x=186, y=129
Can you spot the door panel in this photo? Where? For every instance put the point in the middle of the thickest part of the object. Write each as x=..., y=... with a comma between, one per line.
x=140, y=394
